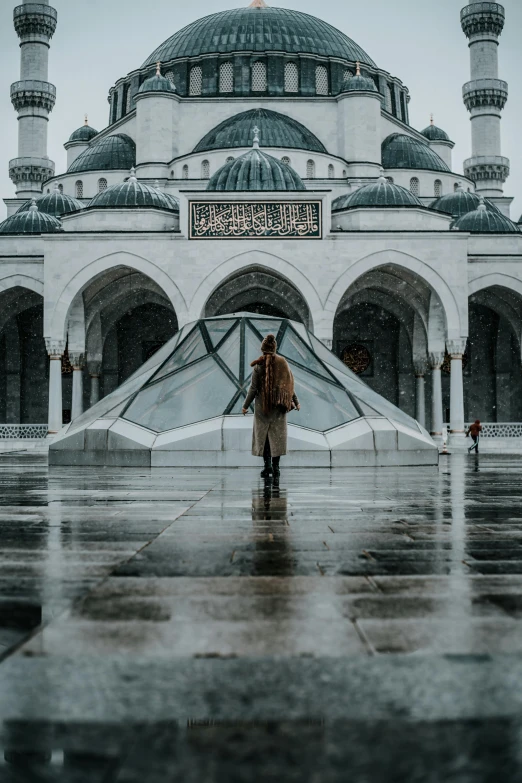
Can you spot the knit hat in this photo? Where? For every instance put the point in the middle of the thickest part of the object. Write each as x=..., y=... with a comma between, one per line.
x=269, y=344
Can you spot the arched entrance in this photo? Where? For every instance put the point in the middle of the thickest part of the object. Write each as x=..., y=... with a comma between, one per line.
x=258, y=290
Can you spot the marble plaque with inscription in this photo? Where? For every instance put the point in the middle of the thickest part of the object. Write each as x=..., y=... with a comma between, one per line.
x=255, y=220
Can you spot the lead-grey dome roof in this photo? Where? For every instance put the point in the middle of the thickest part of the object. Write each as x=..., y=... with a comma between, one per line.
x=259, y=30
x=117, y=151
x=460, y=202
x=255, y=171
x=85, y=133
x=483, y=221
x=30, y=222
x=276, y=130
x=133, y=194
x=400, y=151
x=55, y=203
x=377, y=194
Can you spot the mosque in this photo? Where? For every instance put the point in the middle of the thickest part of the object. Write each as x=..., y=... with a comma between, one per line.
x=260, y=161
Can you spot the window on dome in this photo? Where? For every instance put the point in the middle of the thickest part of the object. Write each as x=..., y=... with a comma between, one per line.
x=226, y=77
x=388, y=98
x=437, y=188
x=285, y=160
x=456, y=187
x=170, y=76
x=344, y=173
x=393, y=101
x=331, y=172
x=321, y=80
x=79, y=189
x=205, y=170
x=414, y=186
x=259, y=80
x=230, y=159
x=310, y=169
x=291, y=78
x=102, y=185
x=196, y=80
x=185, y=174
x=60, y=188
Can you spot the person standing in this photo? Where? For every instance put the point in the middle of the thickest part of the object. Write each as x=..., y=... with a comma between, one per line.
x=272, y=388
x=474, y=430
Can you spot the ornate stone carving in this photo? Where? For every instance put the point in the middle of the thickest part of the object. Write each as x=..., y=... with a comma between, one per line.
x=35, y=19
x=255, y=220
x=485, y=92
x=77, y=359
x=419, y=366
x=487, y=167
x=32, y=93
x=30, y=171
x=94, y=367
x=457, y=348
x=55, y=348
x=436, y=358
x=484, y=17
x=357, y=358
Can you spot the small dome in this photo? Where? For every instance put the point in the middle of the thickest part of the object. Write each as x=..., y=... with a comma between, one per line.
x=157, y=83
x=483, y=221
x=275, y=130
x=255, y=171
x=404, y=152
x=133, y=195
x=55, y=203
x=432, y=133
x=112, y=152
x=85, y=133
x=460, y=203
x=30, y=222
x=359, y=83
x=378, y=194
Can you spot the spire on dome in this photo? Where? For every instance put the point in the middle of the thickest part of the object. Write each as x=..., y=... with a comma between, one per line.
x=34, y=206
x=256, y=138
x=86, y=122
x=357, y=68
x=133, y=177
x=431, y=119
x=258, y=4
x=158, y=69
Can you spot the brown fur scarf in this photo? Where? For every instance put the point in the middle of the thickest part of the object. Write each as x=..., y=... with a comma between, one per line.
x=278, y=383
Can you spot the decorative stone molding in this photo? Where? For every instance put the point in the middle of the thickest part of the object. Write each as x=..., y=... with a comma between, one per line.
x=55, y=348
x=419, y=367
x=94, y=368
x=436, y=359
x=33, y=94
x=35, y=19
x=485, y=93
x=457, y=348
x=484, y=17
x=77, y=360
x=487, y=167
x=27, y=171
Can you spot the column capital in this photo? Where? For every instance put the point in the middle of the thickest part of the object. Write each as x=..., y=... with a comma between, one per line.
x=436, y=359
x=55, y=348
x=94, y=367
x=419, y=366
x=457, y=348
x=77, y=359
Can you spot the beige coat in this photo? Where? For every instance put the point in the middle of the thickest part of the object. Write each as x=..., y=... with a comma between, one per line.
x=272, y=425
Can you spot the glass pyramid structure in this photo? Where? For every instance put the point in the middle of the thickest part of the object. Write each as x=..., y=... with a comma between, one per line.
x=203, y=374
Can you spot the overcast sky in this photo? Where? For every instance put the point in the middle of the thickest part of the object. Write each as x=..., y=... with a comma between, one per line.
x=420, y=41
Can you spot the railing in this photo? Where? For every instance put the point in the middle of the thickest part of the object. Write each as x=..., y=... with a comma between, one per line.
x=500, y=429
x=23, y=431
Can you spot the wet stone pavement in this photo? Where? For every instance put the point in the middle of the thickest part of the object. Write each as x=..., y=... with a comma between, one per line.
x=194, y=625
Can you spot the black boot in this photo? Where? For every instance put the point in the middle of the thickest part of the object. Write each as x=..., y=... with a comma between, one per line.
x=276, y=469
x=267, y=471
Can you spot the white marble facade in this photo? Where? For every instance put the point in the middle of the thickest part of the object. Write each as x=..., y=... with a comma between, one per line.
x=119, y=280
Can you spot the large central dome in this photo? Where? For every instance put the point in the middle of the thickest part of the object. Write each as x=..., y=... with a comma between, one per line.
x=259, y=30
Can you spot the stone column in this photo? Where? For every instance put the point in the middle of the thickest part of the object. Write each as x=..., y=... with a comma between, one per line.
x=55, y=349
x=437, y=418
x=420, y=394
x=456, y=350
x=94, y=368
x=76, y=359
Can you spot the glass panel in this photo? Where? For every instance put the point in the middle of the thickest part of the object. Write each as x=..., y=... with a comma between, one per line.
x=266, y=326
x=218, y=329
x=158, y=358
x=292, y=347
x=366, y=408
x=119, y=397
x=252, y=351
x=323, y=406
x=230, y=352
x=238, y=407
x=330, y=358
x=199, y=392
x=386, y=408
x=191, y=349
x=302, y=331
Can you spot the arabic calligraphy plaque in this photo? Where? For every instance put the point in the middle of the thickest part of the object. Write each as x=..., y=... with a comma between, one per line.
x=255, y=220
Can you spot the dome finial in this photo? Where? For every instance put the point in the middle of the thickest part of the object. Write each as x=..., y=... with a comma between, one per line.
x=34, y=206
x=133, y=177
x=158, y=69
x=86, y=122
x=431, y=119
x=357, y=68
x=258, y=4
x=482, y=204
x=256, y=138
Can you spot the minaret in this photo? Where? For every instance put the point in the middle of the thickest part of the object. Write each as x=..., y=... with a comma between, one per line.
x=485, y=97
x=33, y=97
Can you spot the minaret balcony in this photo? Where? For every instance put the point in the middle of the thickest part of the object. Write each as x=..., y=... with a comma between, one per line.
x=35, y=19
x=477, y=18
x=487, y=167
x=31, y=170
x=32, y=93
x=485, y=92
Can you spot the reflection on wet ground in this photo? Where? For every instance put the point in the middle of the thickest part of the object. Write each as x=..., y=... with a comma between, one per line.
x=202, y=625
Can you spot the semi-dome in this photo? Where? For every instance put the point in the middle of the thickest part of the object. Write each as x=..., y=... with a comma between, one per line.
x=255, y=171
x=112, y=152
x=132, y=194
x=400, y=151
x=55, y=203
x=433, y=133
x=85, y=133
x=378, y=194
x=157, y=83
x=483, y=221
x=460, y=203
x=30, y=222
x=276, y=130
x=259, y=29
